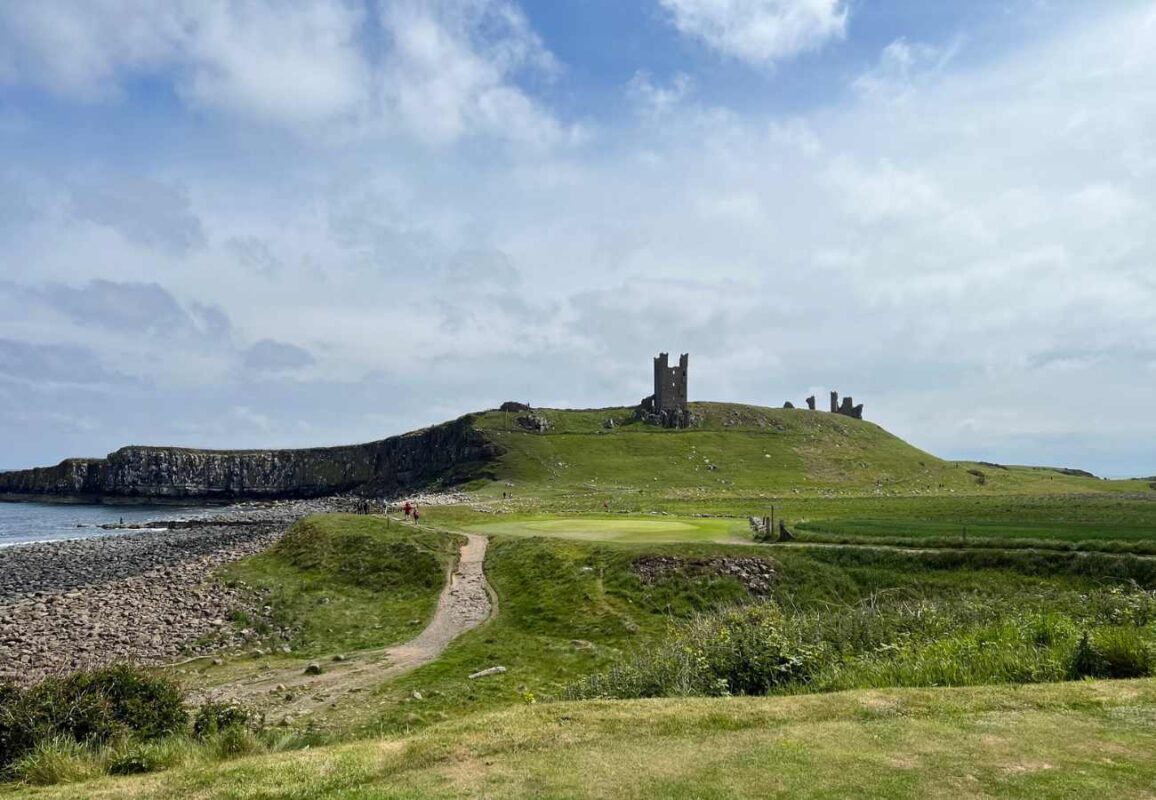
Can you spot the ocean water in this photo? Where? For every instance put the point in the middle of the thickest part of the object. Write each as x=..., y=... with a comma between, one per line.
x=47, y=522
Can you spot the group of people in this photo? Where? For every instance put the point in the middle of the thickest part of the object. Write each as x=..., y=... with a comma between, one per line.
x=412, y=512
x=370, y=507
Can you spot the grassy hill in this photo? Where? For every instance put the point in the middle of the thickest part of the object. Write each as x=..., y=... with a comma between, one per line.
x=741, y=451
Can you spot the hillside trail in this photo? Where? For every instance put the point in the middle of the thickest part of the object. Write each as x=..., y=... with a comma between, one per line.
x=465, y=603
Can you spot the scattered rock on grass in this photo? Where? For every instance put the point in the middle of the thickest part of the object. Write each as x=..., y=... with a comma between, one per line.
x=487, y=672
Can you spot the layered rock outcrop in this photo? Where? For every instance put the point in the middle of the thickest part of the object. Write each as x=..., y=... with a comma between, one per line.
x=441, y=455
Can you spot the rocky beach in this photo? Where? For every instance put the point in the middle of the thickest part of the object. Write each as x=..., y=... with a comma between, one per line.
x=145, y=592
x=146, y=596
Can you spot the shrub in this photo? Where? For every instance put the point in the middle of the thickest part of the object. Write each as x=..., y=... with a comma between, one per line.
x=750, y=651
x=88, y=708
x=145, y=705
x=215, y=717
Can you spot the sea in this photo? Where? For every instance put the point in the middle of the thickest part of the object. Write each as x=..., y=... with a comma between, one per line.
x=21, y=523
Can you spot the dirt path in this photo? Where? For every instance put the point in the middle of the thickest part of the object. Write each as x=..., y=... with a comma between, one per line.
x=465, y=603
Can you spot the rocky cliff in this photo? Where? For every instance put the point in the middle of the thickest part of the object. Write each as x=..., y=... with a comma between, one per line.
x=441, y=455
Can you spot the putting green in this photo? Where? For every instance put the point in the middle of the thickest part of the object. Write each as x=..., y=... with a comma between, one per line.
x=667, y=529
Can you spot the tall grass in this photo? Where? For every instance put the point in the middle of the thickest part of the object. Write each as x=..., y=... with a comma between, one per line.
x=885, y=642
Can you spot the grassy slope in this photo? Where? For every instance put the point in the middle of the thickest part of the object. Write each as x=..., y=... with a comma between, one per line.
x=567, y=608
x=833, y=476
x=755, y=453
x=340, y=582
x=1062, y=740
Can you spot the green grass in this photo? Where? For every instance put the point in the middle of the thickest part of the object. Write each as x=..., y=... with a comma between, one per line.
x=632, y=530
x=337, y=583
x=567, y=608
x=1062, y=740
x=570, y=608
x=346, y=582
x=738, y=458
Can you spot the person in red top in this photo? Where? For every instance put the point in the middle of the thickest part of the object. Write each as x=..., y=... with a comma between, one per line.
x=408, y=509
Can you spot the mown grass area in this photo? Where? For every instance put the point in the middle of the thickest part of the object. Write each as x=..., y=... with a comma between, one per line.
x=337, y=583
x=1060, y=740
x=629, y=530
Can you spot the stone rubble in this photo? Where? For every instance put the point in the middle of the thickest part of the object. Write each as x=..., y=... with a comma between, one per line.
x=147, y=598
x=756, y=574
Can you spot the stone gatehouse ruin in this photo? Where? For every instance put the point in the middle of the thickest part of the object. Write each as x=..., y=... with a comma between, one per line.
x=668, y=405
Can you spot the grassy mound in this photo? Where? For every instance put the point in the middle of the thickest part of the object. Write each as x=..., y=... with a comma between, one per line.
x=345, y=582
x=1060, y=740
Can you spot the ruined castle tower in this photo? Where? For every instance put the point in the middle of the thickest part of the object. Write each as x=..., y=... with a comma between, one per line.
x=670, y=383
x=668, y=405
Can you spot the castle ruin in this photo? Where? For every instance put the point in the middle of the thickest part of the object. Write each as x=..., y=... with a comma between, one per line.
x=846, y=408
x=668, y=405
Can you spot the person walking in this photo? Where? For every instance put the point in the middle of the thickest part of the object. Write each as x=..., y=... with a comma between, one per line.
x=408, y=509
x=416, y=516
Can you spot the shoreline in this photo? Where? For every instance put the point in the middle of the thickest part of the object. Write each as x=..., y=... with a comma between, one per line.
x=146, y=595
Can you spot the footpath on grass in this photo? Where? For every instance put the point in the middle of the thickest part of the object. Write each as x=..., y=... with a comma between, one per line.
x=465, y=603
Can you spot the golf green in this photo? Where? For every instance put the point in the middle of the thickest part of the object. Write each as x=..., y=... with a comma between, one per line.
x=634, y=529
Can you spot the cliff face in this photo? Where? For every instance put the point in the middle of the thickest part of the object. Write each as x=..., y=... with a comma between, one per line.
x=442, y=454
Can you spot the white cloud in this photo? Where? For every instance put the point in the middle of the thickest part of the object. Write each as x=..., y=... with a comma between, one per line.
x=760, y=32
x=292, y=63
x=447, y=68
x=883, y=191
x=654, y=99
x=903, y=65
x=289, y=63
x=449, y=71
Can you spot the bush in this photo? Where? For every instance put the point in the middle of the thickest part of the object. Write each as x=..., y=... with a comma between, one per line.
x=144, y=705
x=215, y=717
x=748, y=650
x=751, y=651
x=88, y=708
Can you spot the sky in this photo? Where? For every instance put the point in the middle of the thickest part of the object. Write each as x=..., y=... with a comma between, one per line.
x=249, y=223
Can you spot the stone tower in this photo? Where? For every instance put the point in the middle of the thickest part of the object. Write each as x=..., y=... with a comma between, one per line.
x=668, y=405
x=670, y=383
